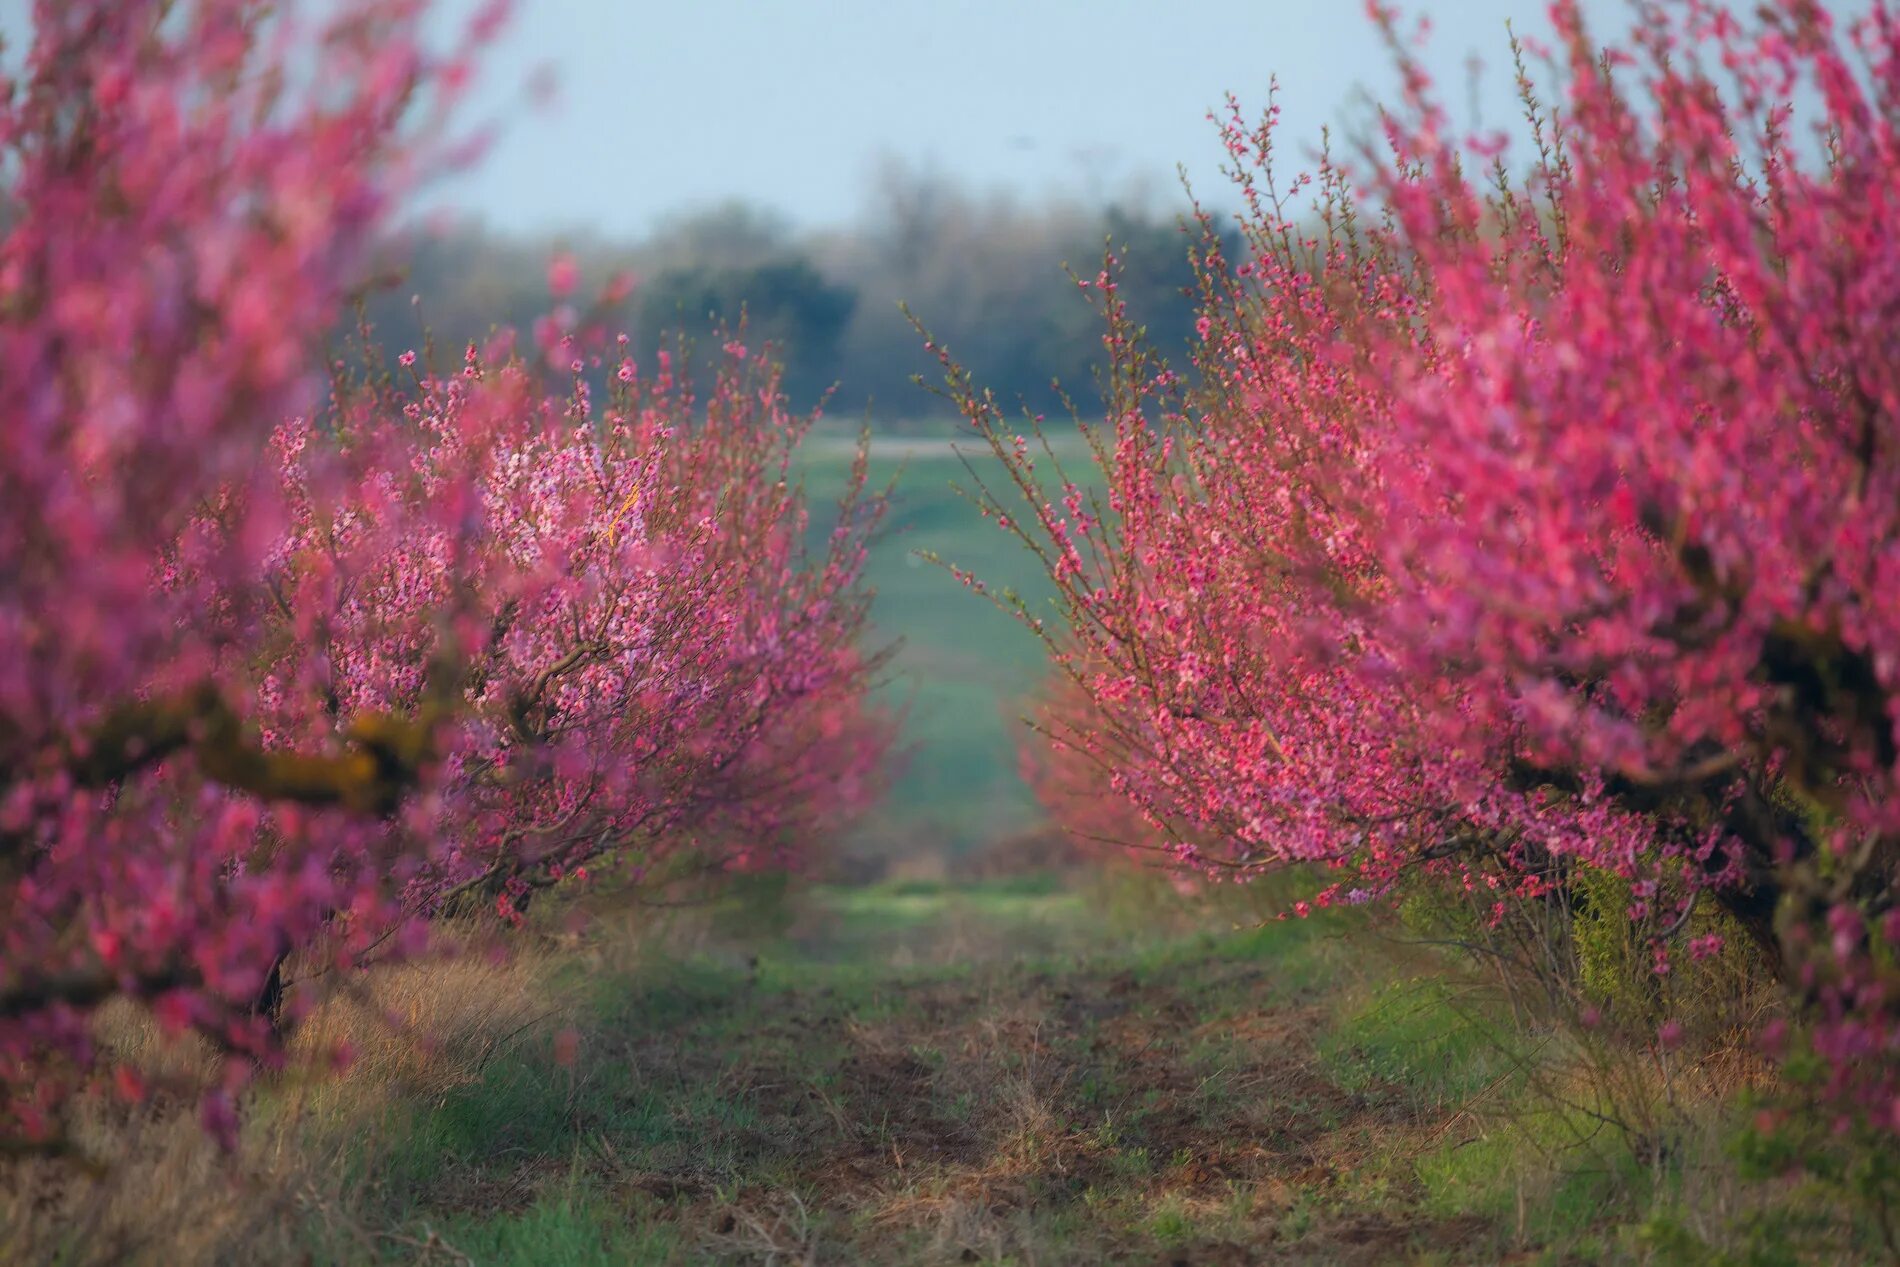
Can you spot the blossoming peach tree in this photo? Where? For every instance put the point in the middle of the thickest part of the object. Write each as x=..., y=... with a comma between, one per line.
x=1528, y=511
x=660, y=663
x=294, y=670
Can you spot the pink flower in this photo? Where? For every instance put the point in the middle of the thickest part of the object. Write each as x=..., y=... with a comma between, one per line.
x=1489, y=519
x=563, y=276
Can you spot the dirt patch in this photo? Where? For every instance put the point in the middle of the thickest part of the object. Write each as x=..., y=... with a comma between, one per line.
x=1076, y=1117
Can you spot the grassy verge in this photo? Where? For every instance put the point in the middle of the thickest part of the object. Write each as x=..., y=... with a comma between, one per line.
x=1013, y=1071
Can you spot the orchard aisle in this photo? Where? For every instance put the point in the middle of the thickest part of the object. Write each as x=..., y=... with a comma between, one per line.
x=994, y=1072
x=1017, y=1070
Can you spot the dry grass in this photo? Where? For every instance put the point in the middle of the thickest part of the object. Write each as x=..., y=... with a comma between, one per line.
x=416, y=1031
x=151, y=1186
x=921, y=1075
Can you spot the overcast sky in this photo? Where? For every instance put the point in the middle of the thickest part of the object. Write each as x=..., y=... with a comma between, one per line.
x=792, y=103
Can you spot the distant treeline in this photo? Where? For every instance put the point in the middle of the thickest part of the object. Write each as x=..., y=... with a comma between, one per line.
x=985, y=275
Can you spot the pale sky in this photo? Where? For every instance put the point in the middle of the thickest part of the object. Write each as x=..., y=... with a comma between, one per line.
x=792, y=103
x=662, y=108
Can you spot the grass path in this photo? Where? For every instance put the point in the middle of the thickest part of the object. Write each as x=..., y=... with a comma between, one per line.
x=1006, y=1071
x=986, y=1073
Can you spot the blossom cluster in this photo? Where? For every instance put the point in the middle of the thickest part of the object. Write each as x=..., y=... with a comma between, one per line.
x=287, y=671
x=1532, y=510
x=645, y=656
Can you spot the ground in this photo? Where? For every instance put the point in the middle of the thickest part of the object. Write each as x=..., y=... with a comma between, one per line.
x=1021, y=1070
x=945, y=1074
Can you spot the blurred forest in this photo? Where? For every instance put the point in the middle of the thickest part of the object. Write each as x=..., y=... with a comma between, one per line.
x=984, y=273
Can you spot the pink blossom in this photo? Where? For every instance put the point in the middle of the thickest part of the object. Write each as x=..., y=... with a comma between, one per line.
x=284, y=663
x=563, y=276
x=1528, y=528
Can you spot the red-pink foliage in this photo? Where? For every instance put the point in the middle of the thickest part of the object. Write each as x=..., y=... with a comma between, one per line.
x=1076, y=790
x=1515, y=521
x=283, y=673
x=176, y=221
x=656, y=661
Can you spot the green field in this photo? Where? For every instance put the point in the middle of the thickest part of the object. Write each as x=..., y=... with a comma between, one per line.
x=964, y=671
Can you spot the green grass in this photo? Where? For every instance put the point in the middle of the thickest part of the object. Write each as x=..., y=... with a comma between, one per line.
x=1422, y=1034
x=578, y=1227
x=919, y=1071
x=966, y=670
x=1011, y=1071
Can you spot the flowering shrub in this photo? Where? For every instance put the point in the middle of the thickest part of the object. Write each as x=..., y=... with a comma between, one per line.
x=1076, y=791
x=288, y=674
x=659, y=659
x=1521, y=520
x=175, y=219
